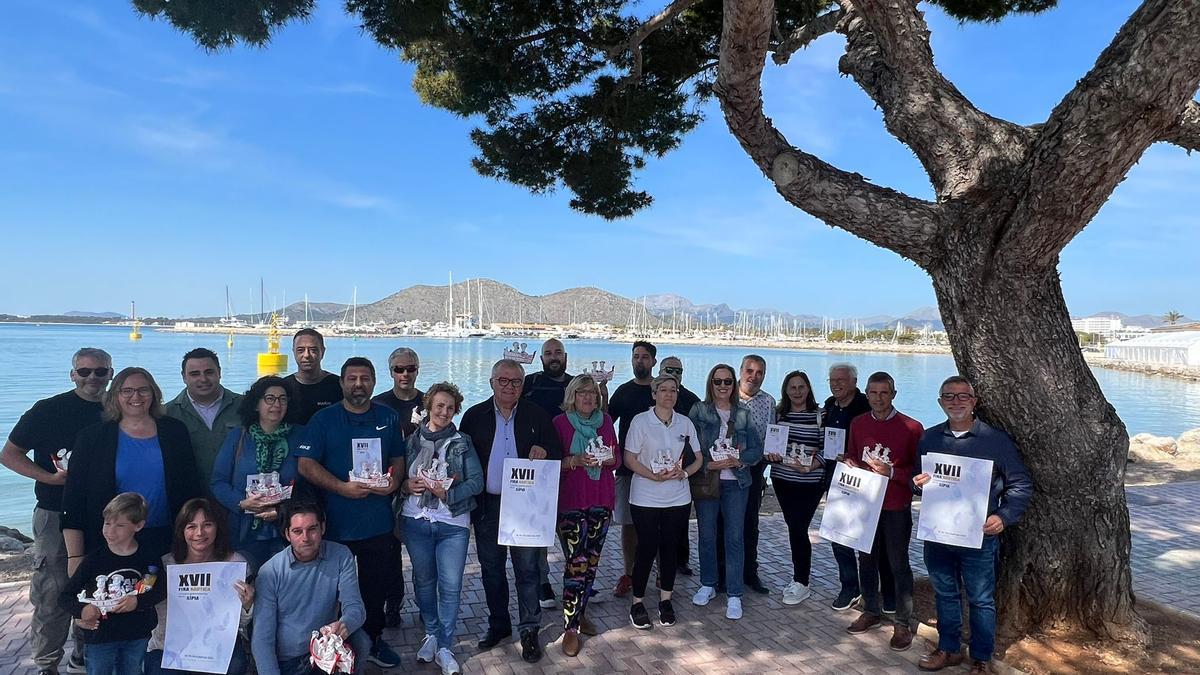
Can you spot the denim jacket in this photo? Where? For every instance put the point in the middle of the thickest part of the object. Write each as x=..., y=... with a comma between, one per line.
x=462, y=463
x=745, y=437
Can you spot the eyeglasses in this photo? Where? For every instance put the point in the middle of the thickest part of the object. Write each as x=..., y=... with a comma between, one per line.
x=672, y=371
x=727, y=382
x=128, y=392
x=404, y=369
x=508, y=382
x=272, y=399
x=88, y=372
x=960, y=396
x=587, y=392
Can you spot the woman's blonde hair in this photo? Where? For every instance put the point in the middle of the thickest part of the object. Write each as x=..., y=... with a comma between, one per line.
x=112, y=410
x=580, y=381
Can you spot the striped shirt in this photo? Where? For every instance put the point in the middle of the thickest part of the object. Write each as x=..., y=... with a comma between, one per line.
x=805, y=428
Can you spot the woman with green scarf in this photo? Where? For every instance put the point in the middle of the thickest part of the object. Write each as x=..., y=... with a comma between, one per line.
x=586, y=494
x=263, y=444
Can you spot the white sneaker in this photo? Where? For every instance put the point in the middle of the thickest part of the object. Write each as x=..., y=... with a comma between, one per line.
x=795, y=593
x=445, y=659
x=704, y=595
x=733, y=609
x=428, y=649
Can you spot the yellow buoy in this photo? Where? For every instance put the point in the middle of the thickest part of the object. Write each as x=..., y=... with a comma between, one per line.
x=134, y=334
x=271, y=361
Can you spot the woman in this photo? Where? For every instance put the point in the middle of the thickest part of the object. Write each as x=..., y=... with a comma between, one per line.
x=798, y=487
x=265, y=443
x=722, y=416
x=436, y=519
x=200, y=537
x=659, y=450
x=586, y=494
x=136, y=449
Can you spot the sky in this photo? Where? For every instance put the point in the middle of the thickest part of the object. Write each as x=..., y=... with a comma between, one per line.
x=136, y=166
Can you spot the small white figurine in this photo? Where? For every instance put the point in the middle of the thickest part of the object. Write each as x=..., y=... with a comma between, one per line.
x=330, y=653
x=878, y=453
x=722, y=450
x=517, y=353
x=599, y=374
x=598, y=450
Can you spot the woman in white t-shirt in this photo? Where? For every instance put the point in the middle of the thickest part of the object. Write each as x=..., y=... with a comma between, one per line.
x=660, y=450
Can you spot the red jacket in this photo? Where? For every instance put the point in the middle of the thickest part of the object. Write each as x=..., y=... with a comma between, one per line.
x=900, y=434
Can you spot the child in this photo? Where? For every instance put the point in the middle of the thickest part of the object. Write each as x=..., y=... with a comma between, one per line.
x=120, y=579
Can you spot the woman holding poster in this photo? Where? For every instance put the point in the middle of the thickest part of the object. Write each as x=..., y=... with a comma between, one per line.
x=586, y=495
x=200, y=537
x=444, y=476
x=729, y=445
x=659, y=450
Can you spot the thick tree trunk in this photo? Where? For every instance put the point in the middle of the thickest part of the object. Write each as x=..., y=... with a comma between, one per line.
x=1067, y=563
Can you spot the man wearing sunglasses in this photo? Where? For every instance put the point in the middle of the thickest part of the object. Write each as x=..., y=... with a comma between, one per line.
x=953, y=569
x=49, y=429
x=206, y=408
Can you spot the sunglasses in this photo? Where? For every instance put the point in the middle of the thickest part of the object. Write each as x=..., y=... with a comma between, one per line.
x=673, y=371
x=88, y=372
x=727, y=382
x=404, y=369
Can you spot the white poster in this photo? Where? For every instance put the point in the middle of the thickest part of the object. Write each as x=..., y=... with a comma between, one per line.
x=852, y=507
x=776, y=440
x=529, y=502
x=954, y=503
x=203, y=610
x=835, y=442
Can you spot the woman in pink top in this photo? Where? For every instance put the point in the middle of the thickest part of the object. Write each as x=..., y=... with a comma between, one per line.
x=586, y=495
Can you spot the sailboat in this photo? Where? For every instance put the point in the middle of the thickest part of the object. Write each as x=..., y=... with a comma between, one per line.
x=134, y=332
x=451, y=329
x=229, y=320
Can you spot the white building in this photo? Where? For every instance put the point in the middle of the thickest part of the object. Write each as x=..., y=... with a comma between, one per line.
x=1161, y=349
x=1104, y=326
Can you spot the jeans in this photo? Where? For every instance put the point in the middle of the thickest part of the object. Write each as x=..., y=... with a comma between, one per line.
x=492, y=559
x=731, y=505
x=799, y=501
x=749, y=529
x=116, y=658
x=238, y=662
x=582, y=536
x=378, y=568
x=49, y=624
x=299, y=665
x=658, y=530
x=977, y=570
x=438, y=552
x=891, y=542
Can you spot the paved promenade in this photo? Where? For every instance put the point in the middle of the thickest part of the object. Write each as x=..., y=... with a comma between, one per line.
x=772, y=637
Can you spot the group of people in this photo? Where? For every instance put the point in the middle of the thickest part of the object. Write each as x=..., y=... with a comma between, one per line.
x=126, y=481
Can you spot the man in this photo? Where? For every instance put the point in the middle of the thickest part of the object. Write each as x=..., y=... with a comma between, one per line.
x=502, y=427
x=206, y=408
x=409, y=404
x=964, y=435
x=762, y=413
x=683, y=405
x=885, y=441
x=628, y=401
x=340, y=439
x=49, y=429
x=315, y=388
x=312, y=585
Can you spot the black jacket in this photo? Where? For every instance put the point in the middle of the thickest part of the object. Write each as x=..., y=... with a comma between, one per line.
x=532, y=426
x=92, y=478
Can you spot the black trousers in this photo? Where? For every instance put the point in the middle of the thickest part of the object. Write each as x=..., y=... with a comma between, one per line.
x=749, y=529
x=658, y=531
x=492, y=561
x=799, y=501
x=891, y=544
x=379, y=567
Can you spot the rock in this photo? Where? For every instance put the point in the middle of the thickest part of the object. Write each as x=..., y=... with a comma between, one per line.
x=1189, y=444
x=10, y=545
x=1151, y=448
x=15, y=534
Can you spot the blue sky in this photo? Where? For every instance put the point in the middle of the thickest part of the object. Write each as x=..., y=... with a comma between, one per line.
x=135, y=166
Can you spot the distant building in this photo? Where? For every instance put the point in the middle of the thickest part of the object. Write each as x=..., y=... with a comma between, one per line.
x=1107, y=327
x=1181, y=348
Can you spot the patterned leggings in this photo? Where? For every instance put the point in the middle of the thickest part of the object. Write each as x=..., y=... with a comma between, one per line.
x=582, y=535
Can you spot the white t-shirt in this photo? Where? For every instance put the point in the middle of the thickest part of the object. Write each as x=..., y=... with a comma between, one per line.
x=412, y=508
x=649, y=438
x=726, y=474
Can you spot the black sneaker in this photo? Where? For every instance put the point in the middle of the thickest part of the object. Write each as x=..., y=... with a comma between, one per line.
x=666, y=613
x=845, y=600
x=638, y=617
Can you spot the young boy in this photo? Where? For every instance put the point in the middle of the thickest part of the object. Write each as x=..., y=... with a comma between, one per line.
x=122, y=579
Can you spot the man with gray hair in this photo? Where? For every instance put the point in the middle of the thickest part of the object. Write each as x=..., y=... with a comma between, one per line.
x=49, y=429
x=501, y=427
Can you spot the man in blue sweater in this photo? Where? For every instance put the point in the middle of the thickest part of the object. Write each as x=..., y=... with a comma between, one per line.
x=299, y=590
x=964, y=435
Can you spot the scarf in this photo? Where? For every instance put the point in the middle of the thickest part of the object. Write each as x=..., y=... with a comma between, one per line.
x=585, y=431
x=269, y=452
x=428, y=443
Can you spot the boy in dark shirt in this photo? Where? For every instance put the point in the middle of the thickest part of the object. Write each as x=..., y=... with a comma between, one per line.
x=113, y=592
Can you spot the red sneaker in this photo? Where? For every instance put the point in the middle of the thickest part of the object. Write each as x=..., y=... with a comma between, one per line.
x=624, y=585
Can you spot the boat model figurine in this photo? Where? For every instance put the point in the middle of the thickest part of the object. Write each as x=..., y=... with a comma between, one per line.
x=61, y=459
x=368, y=474
x=721, y=450
x=418, y=416
x=330, y=653
x=116, y=586
x=598, y=450
x=517, y=353
x=878, y=453
x=599, y=374
x=663, y=462
x=436, y=473
x=267, y=487
x=798, y=454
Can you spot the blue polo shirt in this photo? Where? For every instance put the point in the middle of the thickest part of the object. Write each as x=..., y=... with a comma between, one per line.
x=332, y=432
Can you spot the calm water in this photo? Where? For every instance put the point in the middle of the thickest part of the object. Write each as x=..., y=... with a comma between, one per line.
x=35, y=360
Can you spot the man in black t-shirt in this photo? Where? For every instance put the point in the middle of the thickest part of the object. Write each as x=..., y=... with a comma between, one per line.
x=315, y=388
x=49, y=429
x=547, y=387
x=628, y=401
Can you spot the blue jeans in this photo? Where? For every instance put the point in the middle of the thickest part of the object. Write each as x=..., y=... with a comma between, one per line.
x=731, y=506
x=359, y=642
x=237, y=662
x=119, y=658
x=977, y=569
x=439, y=553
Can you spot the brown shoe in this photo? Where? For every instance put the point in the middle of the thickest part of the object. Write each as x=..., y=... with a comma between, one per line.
x=901, y=638
x=981, y=666
x=865, y=622
x=938, y=659
x=586, y=627
x=571, y=643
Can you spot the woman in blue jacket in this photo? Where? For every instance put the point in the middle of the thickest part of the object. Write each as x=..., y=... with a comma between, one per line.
x=721, y=415
x=263, y=444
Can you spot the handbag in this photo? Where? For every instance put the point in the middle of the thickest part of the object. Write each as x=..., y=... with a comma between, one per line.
x=704, y=484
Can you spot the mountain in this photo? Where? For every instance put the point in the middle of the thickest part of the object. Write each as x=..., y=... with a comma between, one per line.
x=667, y=305
x=95, y=315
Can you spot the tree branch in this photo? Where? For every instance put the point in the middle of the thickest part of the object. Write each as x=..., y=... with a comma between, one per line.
x=888, y=55
x=634, y=46
x=884, y=217
x=1186, y=132
x=804, y=35
x=1138, y=92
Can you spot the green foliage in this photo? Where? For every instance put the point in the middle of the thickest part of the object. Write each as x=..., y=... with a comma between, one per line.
x=1172, y=317
x=991, y=10
x=219, y=24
